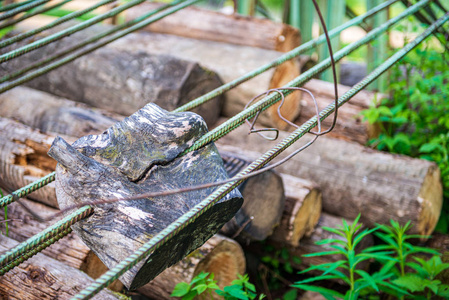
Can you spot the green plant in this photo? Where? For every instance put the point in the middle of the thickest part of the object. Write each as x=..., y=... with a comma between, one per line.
x=394, y=257
x=347, y=269
x=424, y=278
x=240, y=289
x=414, y=121
x=201, y=283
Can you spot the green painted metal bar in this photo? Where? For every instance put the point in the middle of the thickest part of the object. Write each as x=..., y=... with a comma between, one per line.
x=32, y=13
x=81, y=44
x=36, y=185
x=94, y=47
x=59, y=21
x=66, y=32
x=377, y=51
x=289, y=55
x=334, y=13
x=14, y=5
x=49, y=233
x=26, y=190
x=191, y=215
x=34, y=251
x=266, y=102
x=22, y=8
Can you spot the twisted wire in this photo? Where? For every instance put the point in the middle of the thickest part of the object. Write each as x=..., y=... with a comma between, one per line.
x=22, y=8
x=50, y=232
x=80, y=45
x=93, y=47
x=200, y=208
x=66, y=32
x=58, y=21
x=30, y=253
x=238, y=119
x=32, y=13
x=14, y=5
x=263, y=104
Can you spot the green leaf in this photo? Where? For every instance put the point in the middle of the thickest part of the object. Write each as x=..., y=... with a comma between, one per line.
x=368, y=279
x=430, y=147
x=322, y=253
x=319, y=289
x=200, y=288
x=290, y=295
x=411, y=282
x=236, y=291
x=180, y=289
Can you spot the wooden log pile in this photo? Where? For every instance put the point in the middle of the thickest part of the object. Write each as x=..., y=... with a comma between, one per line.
x=338, y=177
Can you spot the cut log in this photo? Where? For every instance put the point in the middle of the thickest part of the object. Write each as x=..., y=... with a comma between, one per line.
x=121, y=81
x=24, y=159
x=52, y=114
x=356, y=179
x=136, y=156
x=301, y=212
x=229, y=62
x=264, y=200
x=286, y=221
x=42, y=277
x=70, y=250
x=308, y=245
x=219, y=255
x=197, y=23
x=350, y=125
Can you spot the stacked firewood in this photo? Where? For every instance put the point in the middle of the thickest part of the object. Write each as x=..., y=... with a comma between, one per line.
x=337, y=177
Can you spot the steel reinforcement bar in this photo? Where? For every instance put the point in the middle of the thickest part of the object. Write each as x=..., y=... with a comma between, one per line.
x=200, y=208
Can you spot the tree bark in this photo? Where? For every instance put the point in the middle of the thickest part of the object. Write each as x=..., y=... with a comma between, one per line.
x=229, y=62
x=350, y=125
x=219, y=255
x=52, y=114
x=203, y=24
x=42, y=277
x=133, y=157
x=356, y=179
x=121, y=81
x=301, y=212
x=264, y=200
x=24, y=159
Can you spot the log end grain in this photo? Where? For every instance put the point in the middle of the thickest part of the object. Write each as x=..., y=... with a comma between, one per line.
x=219, y=255
x=291, y=108
x=301, y=212
x=431, y=199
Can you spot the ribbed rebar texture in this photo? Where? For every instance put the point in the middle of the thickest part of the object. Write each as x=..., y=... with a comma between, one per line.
x=170, y=231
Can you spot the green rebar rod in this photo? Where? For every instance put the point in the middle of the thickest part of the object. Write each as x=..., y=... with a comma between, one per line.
x=48, y=233
x=32, y=13
x=200, y=208
x=58, y=21
x=283, y=58
x=69, y=50
x=22, y=8
x=66, y=32
x=267, y=101
x=34, y=251
x=91, y=48
x=226, y=87
x=14, y=5
x=26, y=190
